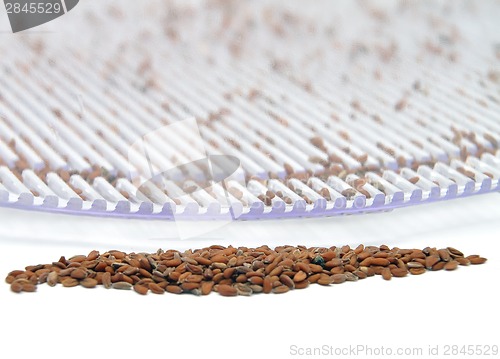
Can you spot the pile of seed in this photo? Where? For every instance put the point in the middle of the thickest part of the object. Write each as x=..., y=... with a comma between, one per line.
x=234, y=271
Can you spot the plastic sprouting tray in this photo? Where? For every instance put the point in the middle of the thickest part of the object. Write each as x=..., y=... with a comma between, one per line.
x=250, y=110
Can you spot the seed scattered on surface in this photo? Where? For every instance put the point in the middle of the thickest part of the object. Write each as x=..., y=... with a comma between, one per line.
x=16, y=287
x=88, y=283
x=281, y=289
x=234, y=271
x=338, y=278
x=52, y=278
x=106, y=280
x=69, y=282
x=29, y=287
x=417, y=271
x=122, y=285
x=227, y=290
x=386, y=274
x=476, y=260
x=156, y=289
x=141, y=289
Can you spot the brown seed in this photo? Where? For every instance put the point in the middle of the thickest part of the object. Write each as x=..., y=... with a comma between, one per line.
x=122, y=285
x=360, y=274
x=155, y=288
x=226, y=281
x=400, y=263
x=365, y=262
x=399, y=272
x=206, y=287
x=414, y=265
x=315, y=268
x=381, y=255
x=438, y=266
x=452, y=265
x=220, y=259
x=92, y=255
x=106, y=280
x=227, y=290
x=462, y=261
x=79, y=273
x=255, y=274
x=228, y=272
x=28, y=287
x=276, y=271
x=100, y=267
x=141, y=289
x=203, y=261
x=173, y=262
x=88, y=283
x=217, y=265
x=78, y=258
x=241, y=278
x=477, y=260
x=243, y=289
x=455, y=252
x=194, y=278
x=43, y=277
x=117, y=254
x=195, y=269
x=15, y=273
x=337, y=270
x=337, y=278
x=333, y=263
x=130, y=271
x=315, y=277
x=324, y=280
x=380, y=262
x=16, y=287
x=69, y=282
x=256, y=288
x=256, y=280
x=175, y=289
x=267, y=285
x=286, y=280
x=329, y=256
x=33, y=279
x=350, y=277
x=444, y=254
x=417, y=253
x=417, y=271
x=302, y=285
x=431, y=260
x=386, y=274
x=299, y=276
x=188, y=286
x=281, y=289
x=414, y=179
x=301, y=266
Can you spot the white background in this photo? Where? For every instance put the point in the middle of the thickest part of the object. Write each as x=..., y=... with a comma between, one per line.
x=441, y=308
x=437, y=308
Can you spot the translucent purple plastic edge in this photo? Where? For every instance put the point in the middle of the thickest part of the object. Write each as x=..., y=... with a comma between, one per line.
x=257, y=213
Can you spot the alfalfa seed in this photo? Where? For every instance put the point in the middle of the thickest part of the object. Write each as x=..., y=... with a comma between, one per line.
x=227, y=290
x=141, y=289
x=451, y=265
x=121, y=285
x=88, y=283
x=386, y=274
